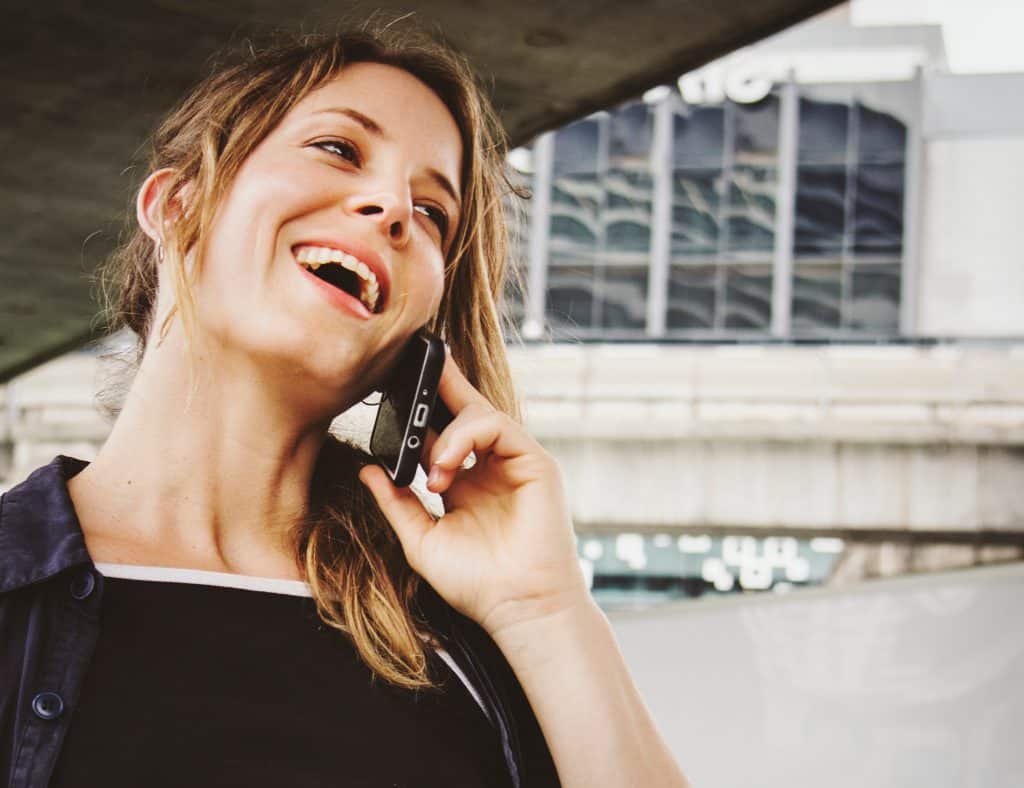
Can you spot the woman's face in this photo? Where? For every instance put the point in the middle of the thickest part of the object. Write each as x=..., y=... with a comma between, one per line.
x=362, y=178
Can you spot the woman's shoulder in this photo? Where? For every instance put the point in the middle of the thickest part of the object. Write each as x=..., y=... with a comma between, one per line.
x=39, y=532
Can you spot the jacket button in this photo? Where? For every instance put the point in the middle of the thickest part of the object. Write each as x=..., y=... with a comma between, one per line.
x=82, y=584
x=48, y=705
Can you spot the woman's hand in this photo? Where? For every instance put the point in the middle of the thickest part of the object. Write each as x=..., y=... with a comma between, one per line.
x=504, y=553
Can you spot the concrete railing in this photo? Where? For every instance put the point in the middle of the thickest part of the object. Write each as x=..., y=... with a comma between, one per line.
x=884, y=439
x=907, y=395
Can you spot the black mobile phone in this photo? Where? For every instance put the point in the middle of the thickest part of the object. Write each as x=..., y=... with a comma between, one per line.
x=408, y=404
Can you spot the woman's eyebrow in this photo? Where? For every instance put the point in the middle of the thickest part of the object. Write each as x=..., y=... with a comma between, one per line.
x=446, y=185
x=374, y=128
x=366, y=122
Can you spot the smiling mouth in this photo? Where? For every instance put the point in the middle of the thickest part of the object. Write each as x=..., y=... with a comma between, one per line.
x=343, y=271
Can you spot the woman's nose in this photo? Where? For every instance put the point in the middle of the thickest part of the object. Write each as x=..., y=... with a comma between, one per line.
x=392, y=215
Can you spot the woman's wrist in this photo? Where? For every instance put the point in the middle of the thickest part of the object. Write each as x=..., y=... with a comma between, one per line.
x=548, y=623
x=597, y=726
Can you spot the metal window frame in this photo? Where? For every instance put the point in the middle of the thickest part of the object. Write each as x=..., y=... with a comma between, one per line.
x=913, y=188
x=661, y=216
x=535, y=323
x=785, y=209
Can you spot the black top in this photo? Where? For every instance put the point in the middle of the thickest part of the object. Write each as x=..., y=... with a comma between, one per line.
x=51, y=600
x=213, y=686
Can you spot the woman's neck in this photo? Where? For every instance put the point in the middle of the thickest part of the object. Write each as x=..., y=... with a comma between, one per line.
x=219, y=485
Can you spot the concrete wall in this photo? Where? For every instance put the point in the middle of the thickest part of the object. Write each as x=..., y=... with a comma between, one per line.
x=692, y=438
x=858, y=438
x=971, y=275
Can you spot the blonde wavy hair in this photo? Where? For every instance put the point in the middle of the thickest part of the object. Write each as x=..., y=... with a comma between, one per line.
x=354, y=563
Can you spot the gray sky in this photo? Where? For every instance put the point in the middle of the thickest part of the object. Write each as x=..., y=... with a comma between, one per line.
x=980, y=35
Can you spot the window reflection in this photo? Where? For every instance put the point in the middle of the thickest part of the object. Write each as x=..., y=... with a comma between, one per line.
x=748, y=298
x=518, y=212
x=757, y=130
x=878, y=210
x=816, y=299
x=820, y=210
x=695, y=210
x=875, y=298
x=600, y=233
x=849, y=208
x=570, y=297
x=848, y=215
x=824, y=129
x=698, y=136
x=723, y=211
x=622, y=292
x=691, y=297
x=751, y=222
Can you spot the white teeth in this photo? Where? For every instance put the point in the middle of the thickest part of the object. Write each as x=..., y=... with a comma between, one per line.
x=315, y=256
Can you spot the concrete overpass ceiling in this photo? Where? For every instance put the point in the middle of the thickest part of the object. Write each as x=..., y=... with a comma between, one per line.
x=85, y=82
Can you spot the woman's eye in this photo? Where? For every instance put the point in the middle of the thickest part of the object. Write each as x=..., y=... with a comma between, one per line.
x=340, y=148
x=437, y=216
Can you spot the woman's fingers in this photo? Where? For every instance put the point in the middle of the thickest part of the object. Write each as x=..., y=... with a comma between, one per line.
x=478, y=429
x=456, y=391
x=402, y=508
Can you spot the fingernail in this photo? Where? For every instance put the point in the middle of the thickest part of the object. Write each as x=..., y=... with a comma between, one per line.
x=434, y=476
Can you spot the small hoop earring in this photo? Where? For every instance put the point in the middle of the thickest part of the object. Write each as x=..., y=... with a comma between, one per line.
x=159, y=252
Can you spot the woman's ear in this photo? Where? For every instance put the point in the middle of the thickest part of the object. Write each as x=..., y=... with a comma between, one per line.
x=148, y=204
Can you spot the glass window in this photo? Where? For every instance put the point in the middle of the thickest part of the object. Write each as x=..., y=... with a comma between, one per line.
x=875, y=298
x=570, y=298
x=757, y=131
x=748, y=298
x=518, y=213
x=631, y=570
x=622, y=291
x=820, y=210
x=824, y=127
x=848, y=215
x=691, y=297
x=878, y=210
x=848, y=237
x=723, y=212
x=628, y=185
x=695, y=212
x=601, y=223
x=751, y=217
x=698, y=137
x=817, y=303
x=577, y=148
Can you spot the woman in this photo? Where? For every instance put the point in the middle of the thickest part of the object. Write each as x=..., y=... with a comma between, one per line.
x=220, y=510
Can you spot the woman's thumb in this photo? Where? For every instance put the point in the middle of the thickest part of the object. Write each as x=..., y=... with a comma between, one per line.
x=401, y=507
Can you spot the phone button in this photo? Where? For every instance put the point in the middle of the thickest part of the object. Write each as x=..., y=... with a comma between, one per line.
x=420, y=416
x=413, y=442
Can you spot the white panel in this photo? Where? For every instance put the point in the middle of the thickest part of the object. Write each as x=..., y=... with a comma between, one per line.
x=872, y=486
x=971, y=274
x=973, y=105
x=892, y=684
x=943, y=487
x=1000, y=488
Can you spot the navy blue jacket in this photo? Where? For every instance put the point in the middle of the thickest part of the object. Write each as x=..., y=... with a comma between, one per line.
x=50, y=600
